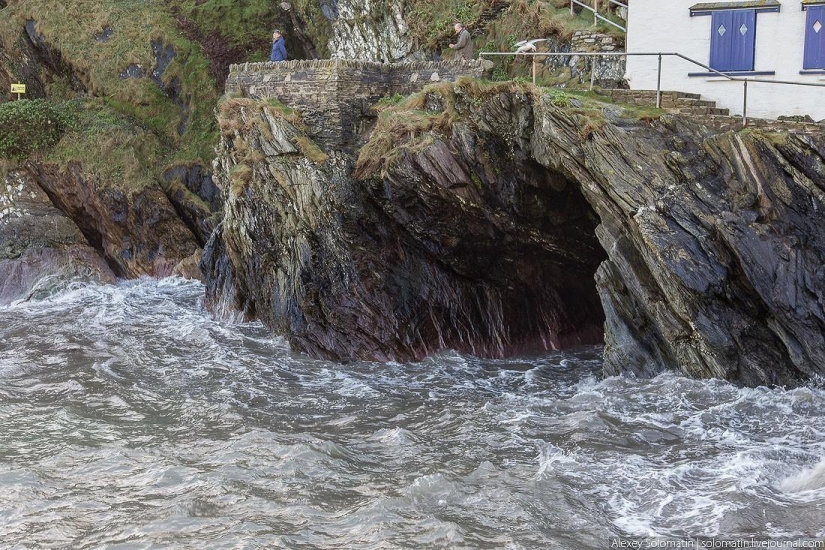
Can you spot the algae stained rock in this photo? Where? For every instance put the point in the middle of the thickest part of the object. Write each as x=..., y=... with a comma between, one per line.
x=506, y=223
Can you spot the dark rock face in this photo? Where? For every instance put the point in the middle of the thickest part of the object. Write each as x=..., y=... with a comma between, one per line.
x=495, y=236
x=136, y=230
x=195, y=197
x=425, y=259
x=51, y=57
x=41, y=250
x=714, y=258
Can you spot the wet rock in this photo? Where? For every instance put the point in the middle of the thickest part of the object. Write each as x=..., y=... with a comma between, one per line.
x=41, y=250
x=496, y=233
x=189, y=268
x=427, y=257
x=195, y=197
x=132, y=71
x=137, y=230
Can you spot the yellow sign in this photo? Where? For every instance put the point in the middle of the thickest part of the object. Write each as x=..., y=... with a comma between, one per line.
x=18, y=88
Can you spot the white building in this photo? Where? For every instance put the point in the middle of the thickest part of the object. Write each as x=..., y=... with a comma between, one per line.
x=757, y=39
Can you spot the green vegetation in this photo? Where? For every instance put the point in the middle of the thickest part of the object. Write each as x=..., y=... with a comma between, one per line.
x=140, y=126
x=75, y=29
x=112, y=147
x=413, y=123
x=32, y=126
x=525, y=19
x=416, y=121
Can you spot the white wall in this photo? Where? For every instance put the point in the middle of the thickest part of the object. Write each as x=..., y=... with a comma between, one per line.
x=666, y=26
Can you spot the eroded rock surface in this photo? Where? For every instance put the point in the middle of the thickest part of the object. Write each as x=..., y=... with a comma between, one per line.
x=370, y=30
x=41, y=250
x=136, y=229
x=494, y=230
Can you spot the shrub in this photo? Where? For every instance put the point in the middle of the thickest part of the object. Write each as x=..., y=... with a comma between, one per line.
x=31, y=125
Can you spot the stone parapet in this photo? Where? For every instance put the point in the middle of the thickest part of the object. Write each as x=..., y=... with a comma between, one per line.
x=334, y=96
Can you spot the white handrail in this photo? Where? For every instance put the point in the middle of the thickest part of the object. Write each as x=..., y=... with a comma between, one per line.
x=660, y=55
x=596, y=15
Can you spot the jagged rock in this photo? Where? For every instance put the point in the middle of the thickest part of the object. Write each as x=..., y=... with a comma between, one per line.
x=136, y=229
x=50, y=57
x=399, y=269
x=189, y=268
x=370, y=30
x=195, y=197
x=41, y=250
x=494, y=231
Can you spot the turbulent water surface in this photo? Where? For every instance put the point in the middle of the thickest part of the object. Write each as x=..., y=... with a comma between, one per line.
x=129, y=418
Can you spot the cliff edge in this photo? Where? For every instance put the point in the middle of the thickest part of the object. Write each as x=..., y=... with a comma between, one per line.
x=498, y=219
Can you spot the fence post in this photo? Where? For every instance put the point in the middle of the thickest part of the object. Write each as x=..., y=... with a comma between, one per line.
x=659, y=85
x=595, y=12
x=745, y=104
x=572, y=11
x=534, y=69
x=592, y=72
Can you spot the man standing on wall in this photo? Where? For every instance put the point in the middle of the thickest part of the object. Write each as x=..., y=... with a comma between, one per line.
x=464, y=45
x=278, y=47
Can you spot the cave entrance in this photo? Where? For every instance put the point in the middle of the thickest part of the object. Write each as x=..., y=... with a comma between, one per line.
x=546, y=266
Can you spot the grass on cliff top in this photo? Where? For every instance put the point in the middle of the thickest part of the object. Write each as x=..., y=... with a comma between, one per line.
x=412, y=123
x=239, y=115
x=415, y=122
x=112, y=148
x=76, y=29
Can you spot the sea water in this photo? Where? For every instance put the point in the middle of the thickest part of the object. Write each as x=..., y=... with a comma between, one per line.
x=131, y=418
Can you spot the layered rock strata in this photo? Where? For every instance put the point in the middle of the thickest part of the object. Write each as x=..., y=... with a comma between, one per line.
x=504, y=223
x=41, y=250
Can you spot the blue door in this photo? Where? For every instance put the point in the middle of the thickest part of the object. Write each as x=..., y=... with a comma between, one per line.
x=815, y=38
x=732, y=40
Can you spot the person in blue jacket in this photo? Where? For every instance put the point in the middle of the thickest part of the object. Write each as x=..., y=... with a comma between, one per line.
x=278, y=47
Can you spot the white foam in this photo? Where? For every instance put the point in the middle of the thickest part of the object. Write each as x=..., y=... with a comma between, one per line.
x=809, y=479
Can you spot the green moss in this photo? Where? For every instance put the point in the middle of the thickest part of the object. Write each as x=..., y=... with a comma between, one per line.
x=476, y=181
x=30, y=126
x=113, y=148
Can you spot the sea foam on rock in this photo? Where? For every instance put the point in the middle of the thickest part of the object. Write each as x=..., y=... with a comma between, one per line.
x=41, y=250
x=514, y=224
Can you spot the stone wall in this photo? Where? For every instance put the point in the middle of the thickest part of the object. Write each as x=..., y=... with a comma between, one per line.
x=594, y=41
x=608, y=71
x=335, y=96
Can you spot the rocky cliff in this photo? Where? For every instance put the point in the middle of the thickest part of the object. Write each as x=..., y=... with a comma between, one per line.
x=498, y=219
x=41, y=249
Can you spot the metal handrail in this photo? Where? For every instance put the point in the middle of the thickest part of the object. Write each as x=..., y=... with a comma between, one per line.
x=660, y=55
x=596, y=15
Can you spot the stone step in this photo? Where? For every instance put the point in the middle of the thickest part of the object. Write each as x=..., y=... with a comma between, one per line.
x=702, y=111
x=648, y=94
x=727, y=123
x=691, y=102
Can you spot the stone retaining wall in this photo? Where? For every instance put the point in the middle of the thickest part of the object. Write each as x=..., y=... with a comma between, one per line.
x=334, y=95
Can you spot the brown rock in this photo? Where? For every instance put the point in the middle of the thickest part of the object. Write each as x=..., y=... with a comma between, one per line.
x=137, y=229
x=41, y=250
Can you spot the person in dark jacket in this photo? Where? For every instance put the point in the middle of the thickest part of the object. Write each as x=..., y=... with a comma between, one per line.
x=278, y=47
x=464, y=45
